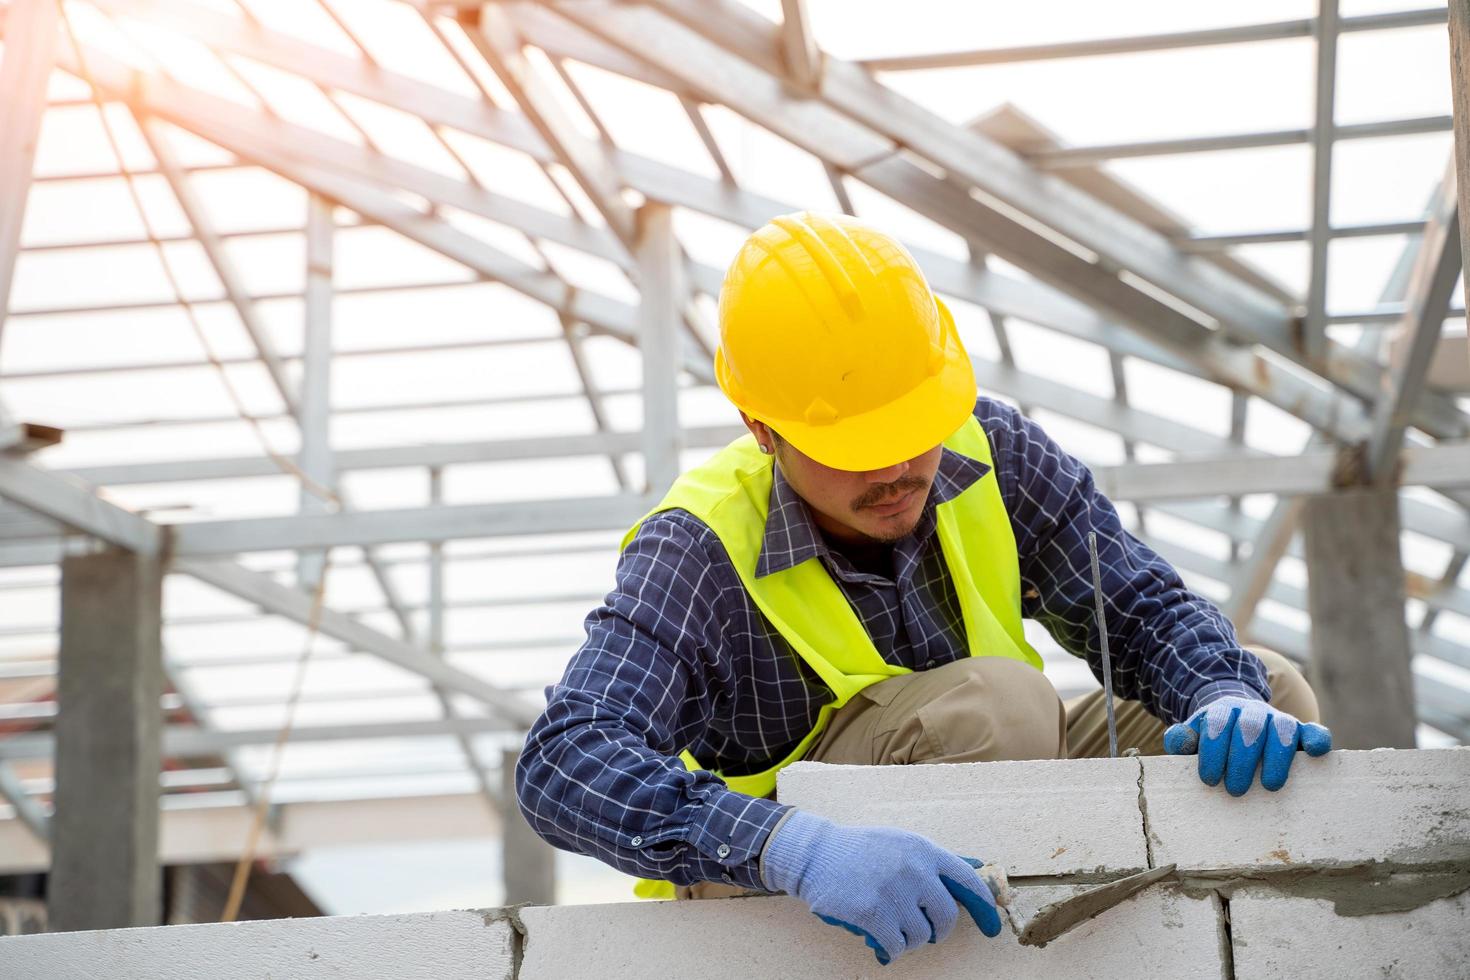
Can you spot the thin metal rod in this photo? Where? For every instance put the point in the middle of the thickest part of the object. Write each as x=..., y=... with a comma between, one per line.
x=1102, y=635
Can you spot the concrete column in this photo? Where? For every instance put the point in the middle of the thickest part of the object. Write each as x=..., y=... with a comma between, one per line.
x=104, y=834
x=1360, y=642
x=527, y=861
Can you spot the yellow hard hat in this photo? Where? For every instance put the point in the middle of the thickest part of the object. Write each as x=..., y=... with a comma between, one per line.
x=830, y=335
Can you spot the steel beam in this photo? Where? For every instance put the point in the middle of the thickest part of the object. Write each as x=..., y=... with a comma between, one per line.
x=444, y=523
x=596, y=404
x=142, y=367
x=28, y=809
x=399, y=457
x=1069, y=157
x=1444, y=595
x=41, y=552
x=332, y=69
x=1204, y=244
x=498, y=40
x=313, y=420
x=658, y=339
x=200, y=827
x=69, y=503
x=1416, y=516
x=173, y=702
x=1133, y=424
x=315, y=458
x=1027, y=300
x=695, y=113
x=39, y=628
x=371, y=408
x=336, y=71
x=1030, y=389
x=181, y=742
x=858, y=127
x=88, y=513
x=1250, y=580
x=271, y=140
x=1244, y=34
x=437, y=604
x=799, y=46
x=214, y=250
x=970, y=157
x=213, y=119
x=30, y=47
x=1432, y=281
x=61, y=500
x=1460, y=93
x=1443, y=466
x=189, y=702
x=1315, y=326
x=858, y=133
x=437, y=609
x=1441, y=704
x=279, y=600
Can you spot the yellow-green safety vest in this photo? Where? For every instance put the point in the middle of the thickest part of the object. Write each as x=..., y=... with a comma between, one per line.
x=731, y=494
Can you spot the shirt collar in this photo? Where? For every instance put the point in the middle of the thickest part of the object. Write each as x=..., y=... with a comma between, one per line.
x=792, y=537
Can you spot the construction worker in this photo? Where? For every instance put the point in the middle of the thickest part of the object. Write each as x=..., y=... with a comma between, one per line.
x=847, y=584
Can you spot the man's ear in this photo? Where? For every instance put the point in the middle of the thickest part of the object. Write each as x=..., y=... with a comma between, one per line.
x=762, y=433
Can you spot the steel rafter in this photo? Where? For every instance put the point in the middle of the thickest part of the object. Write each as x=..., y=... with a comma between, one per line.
x=1243, y=34
x=727, y=52
x=30, y=47
x=1431, y=283
x=77, y=507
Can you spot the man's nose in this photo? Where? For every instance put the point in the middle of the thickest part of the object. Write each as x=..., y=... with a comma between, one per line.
x=887, y=474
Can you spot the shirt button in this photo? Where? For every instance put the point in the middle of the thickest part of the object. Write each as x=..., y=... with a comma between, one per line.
x=928, y=665
x=637, y=842
x=727, y=879
x=723, y=850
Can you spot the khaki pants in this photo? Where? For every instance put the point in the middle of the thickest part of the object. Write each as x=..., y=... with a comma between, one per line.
x=988, y=709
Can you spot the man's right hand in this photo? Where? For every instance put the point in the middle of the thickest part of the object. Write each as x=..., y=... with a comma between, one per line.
x=893, y=888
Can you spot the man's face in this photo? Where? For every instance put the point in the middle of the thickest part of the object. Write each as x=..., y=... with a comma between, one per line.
x=859, y=506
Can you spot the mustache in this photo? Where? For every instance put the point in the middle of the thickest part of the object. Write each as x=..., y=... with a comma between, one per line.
x=889, y=492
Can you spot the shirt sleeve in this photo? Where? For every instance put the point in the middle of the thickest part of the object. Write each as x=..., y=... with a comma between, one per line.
x=1171, y=648
x=599, y=773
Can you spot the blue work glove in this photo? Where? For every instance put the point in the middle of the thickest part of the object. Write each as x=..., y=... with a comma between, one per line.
x=893, y=888
x=1234, y=736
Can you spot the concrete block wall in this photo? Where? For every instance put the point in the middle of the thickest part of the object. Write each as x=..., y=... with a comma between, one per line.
x=460, y=945
x=1360, y=867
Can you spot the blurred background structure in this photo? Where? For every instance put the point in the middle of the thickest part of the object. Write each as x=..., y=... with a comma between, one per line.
x=344, y=338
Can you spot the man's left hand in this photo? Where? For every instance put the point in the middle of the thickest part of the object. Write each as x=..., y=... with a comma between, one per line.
x=1235, y=736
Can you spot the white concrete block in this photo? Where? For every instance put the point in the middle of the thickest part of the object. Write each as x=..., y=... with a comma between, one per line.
x=1276, y=935
x=1050, y=817
x=1409, y=806
x=1160, y=933
x=432, y=946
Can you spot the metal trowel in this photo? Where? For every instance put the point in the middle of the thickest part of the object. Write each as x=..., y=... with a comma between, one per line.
x=1058, y=918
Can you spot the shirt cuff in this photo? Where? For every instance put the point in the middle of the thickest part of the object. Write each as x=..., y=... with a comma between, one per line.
x=1215, y=690
x=761, y=866
x=732, y=831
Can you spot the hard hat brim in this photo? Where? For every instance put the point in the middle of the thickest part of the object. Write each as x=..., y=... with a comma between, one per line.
x=902, y=429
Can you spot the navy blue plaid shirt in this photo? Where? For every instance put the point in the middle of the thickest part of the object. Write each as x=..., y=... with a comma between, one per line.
x=678, y=656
